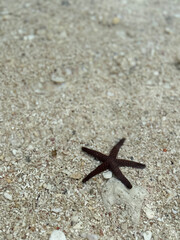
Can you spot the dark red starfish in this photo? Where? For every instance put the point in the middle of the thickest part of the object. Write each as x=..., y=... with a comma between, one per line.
x=112, y=163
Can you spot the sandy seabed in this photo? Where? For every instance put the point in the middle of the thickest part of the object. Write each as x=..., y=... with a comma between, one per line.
x=87, y=73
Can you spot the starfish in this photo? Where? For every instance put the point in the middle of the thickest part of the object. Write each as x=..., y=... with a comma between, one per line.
x=112, y=163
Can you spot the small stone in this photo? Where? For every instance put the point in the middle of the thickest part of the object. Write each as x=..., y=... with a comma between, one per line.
x=56, y=210
x=57, y=79
x=107, y=174
x=149, y=82
x=30, y=148
x=115, y=20
x=110, y=94
x=121, y=34
x=8, y=180
x=156, y=73
x=90, y=236
x=171, y=194
x=75, y=218
x=63, y=34
x=68, y=71
x=149, y=213
x=175, y=211
x=57, y=235
x=54, y=153
x=27, y=158
x=78, y=225
x=8, y=196
x=30, y=37
x=168, y=30
x=160, y=177
x=147, y=235
x=76, y=176
x=65, y=3
x=164, y=118
x=74, y=222
x=9, y=237
x=14, y=151
x=167, y=86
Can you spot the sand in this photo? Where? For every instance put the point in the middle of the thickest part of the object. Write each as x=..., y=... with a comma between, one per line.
x=87, y=73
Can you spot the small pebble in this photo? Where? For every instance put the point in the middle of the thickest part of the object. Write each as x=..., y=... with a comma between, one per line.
x=175, y=211
x=63, y=34
x=107, y=174
x=147, y=235
x=8, y=196
x=30, y=148
x=78, y=225
x=168, y=30
x=14, y=151
x=74, y=218
x=156, y=73
x=8, y=180
x=149, y=213
x=57, y=79
x=54, y=153
x=27, y=158
x=68, y=71
x=65, y=3
x=110, y=94
x=115, y=20
x=90, y=236
x=56, y=210
x=164, y=118
x=30, y=37
x=76, y=176
x=160, y=177
x=171, y=194
x=57, y=235
x=167, y=86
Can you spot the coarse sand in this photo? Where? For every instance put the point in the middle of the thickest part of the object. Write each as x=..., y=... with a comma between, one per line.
x=87, y=73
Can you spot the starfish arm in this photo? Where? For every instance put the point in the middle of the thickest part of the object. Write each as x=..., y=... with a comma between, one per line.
x=101, y=157
x=115, y=149
x=128, y=163
x=99, y=169
x=118, y=174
